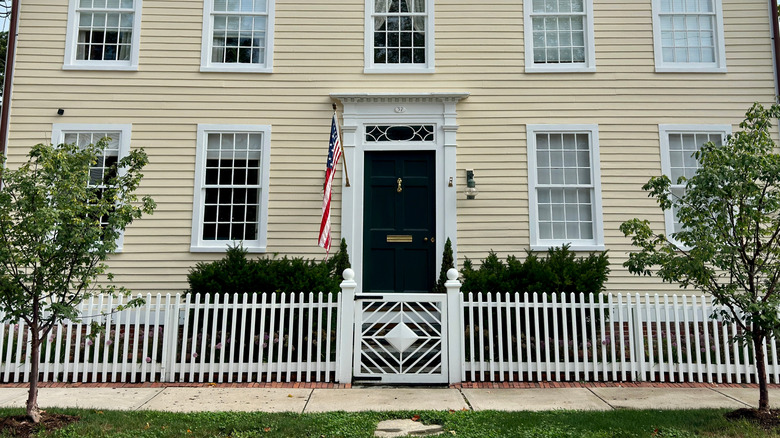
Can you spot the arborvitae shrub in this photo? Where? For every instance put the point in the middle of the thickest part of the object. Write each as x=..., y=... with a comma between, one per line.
x=447, y=263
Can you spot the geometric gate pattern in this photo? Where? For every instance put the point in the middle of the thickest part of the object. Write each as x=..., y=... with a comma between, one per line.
x=401, y=338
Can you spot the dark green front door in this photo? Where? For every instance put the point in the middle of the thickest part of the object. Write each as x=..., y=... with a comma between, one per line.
x=399, y=225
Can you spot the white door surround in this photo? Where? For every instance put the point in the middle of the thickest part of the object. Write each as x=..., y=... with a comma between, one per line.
x=361, y=109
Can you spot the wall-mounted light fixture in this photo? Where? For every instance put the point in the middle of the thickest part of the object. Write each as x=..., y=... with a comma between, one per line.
x=471, y=185
x=60, y=112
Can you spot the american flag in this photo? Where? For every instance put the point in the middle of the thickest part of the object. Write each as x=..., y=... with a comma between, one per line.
x=334, y=153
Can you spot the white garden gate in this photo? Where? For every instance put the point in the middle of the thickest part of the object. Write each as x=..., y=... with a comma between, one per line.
x=401, y=338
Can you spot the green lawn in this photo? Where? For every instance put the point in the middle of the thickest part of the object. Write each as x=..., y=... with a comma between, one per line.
x=621, y=423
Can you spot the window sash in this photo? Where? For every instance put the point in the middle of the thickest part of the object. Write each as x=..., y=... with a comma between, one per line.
x=110, y=41
x=400, y=41
x=562, y=156
x=690, y=142
x=688, y=36
x=564, y=209
x=230, y=219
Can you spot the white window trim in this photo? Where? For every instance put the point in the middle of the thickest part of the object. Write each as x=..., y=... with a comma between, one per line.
x=205, y=54
x=580, y=67
x=719, y=66
x=58, y=131
x=537, y=244
x=256, y=246
x=666, y=166
x=368, y=45
x=71, y=39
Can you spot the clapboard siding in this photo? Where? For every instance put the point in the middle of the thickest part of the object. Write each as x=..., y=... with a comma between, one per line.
x=319, y=50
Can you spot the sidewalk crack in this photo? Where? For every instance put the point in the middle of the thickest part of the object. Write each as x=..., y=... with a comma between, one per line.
x=465, y=399
x=150, y=399
x=308, y=399
x=728, y=396
x=601, y=398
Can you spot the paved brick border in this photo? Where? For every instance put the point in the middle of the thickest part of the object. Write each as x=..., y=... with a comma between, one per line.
x=499, y=385
x=321, y=385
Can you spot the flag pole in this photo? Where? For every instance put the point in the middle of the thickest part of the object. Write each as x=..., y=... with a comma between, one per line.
x=343, y=155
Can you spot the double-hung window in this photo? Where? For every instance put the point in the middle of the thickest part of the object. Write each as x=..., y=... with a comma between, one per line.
x=559, y=36
x=117, y=147
x=679, y=143
x=238, y=36
x=103, y=35
x=399, y=36
x=230, y=205
x=564, y=187
x=688, y=36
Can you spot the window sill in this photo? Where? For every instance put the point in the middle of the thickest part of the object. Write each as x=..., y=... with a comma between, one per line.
x=399, y=70
x=236, y=69
x=224, y=248
x=560, y=68
x=101, y=67
x=572, y=246
x=691, y=68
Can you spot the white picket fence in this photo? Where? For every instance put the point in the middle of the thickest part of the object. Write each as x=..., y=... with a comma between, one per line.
x=183, y=338
x=566, y=337
x=309, y=338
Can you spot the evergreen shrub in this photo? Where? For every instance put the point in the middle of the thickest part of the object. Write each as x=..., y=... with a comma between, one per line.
x=235, y=273
x=560, y=271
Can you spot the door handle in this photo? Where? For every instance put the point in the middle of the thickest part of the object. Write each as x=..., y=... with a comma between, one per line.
x=399, y=185
x=433, y=239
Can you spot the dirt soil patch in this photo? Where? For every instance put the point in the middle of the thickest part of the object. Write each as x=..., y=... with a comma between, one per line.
x=21, y=426
x=767, y=420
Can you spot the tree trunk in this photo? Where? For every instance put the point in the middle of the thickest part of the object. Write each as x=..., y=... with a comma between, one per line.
x=33, y=412
x=763, y=391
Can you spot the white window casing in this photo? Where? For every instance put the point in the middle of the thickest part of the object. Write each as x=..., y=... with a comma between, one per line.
x=83, y=134
x=688, y=36
x=238, y=36
x=559, y=36
x=103, y=35
x=564, y=187
x=678, y=144
x=230, y=202
x=399, y=36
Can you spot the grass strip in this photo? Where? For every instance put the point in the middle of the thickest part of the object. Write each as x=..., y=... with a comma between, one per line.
x=587, y=424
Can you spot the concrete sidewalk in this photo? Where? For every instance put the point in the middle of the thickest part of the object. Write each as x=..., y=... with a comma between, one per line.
x=191, y=399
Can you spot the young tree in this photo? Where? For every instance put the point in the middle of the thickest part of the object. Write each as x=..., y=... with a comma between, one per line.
x=60, y=216
x=729, y=246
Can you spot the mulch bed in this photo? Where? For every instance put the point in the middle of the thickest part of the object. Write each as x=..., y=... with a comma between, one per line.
x=767, y=420
x=21, y=426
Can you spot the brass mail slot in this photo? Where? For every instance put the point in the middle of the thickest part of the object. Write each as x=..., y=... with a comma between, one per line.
x=399, y=238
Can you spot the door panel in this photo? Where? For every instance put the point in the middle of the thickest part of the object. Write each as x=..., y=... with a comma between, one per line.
x=399, y=222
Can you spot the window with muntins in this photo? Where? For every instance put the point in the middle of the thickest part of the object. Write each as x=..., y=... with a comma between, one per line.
x=118, y=146
x=231, y=198
x=564, y=187
x=103, y=34
x=688, y=35
x=400, y=35
x=237, y=35
x=105, y=167
x=679, y=143
x=559, y=35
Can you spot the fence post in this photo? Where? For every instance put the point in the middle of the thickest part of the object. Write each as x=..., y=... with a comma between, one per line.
x=347, y=321
x=454, y=326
